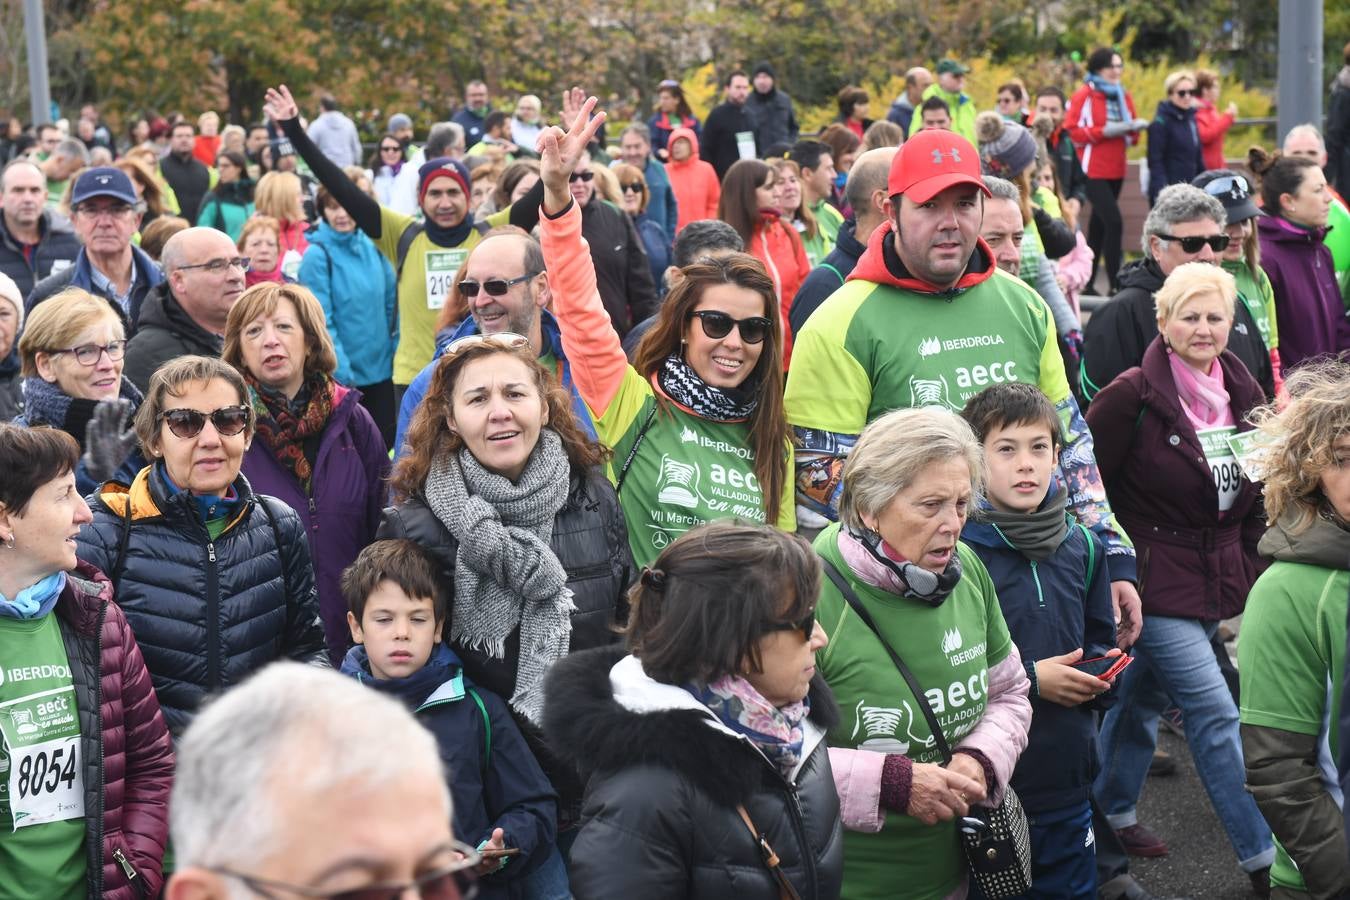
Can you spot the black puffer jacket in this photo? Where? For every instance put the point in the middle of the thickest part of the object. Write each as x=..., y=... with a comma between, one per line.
x=165, y=331
x=206, y=613
x=590, y=539
x=659, y=818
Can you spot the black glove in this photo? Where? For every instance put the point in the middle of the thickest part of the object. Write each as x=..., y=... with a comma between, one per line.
x=106, y=444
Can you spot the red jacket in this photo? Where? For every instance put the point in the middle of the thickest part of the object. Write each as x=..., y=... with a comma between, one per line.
x=128, y=758
x=778, y=245
x=697, y=190
x=1102, y=157
x=1212, y=126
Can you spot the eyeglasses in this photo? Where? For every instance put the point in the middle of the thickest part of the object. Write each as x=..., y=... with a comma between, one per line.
x=455, y=881
x=89, y=354
x=394, y=149
x=806, y=625
x=581, y=176
x=188, y=423
x=717, y=325
x=632, y=187
x=1217, y=242
x=115, y=212
x=1185, y=92
x=216, y=266
x=496, y=287
x=507, y=340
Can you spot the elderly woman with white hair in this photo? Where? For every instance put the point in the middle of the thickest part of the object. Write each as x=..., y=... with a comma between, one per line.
x=895, y=559
x=1166, y=432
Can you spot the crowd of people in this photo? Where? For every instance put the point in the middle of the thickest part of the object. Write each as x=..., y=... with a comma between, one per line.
x=724, y=512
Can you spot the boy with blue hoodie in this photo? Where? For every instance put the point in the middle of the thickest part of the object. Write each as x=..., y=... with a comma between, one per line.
x=502, y=800
x=1055, y=593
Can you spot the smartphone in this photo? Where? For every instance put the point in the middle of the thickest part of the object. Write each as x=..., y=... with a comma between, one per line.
x=1104, y=667
x=489, y=853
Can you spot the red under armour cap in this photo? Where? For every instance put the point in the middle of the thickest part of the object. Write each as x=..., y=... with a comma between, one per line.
x=932, y=161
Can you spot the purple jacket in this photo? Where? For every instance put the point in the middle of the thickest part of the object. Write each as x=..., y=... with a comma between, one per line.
x=1308, y=303
x=1193, y=563
x=349, y=492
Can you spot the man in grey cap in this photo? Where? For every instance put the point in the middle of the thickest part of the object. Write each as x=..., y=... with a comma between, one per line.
x=950, y=88
x=401, y=128
x=105, y=211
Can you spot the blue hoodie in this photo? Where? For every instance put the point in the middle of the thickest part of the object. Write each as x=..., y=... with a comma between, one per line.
x=355, y=285
x=507, y=790
x=412, y=397
x=1053, y=607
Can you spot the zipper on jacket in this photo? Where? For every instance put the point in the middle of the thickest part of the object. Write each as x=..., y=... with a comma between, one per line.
x=212, y=619
x=799, y=827
x=127, y=868
x=1036, y=577
x=98, y=730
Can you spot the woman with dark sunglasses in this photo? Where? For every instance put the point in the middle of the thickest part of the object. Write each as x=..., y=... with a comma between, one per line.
x=703, y=740
x=386, y=162
x=636, y=196
x=215, y=580
x=696, y=423
x=1175, y=155
x=72, y=353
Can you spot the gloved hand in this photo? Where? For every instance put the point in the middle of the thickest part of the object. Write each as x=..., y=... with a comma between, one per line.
x=106, y=444
x=1116, y=129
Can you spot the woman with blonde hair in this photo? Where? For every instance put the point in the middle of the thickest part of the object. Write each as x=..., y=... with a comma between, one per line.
x=633, y=199
x=281, y=196
x=794, y=209
x=316, y=447
x=1292, y=654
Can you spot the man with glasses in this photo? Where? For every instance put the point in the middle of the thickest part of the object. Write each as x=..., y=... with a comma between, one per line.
x=105, y=213
x=185, y=316
x=1185, y=225
x=34, y=241
x=635, y=148
x=366, y=817
x=622, y=271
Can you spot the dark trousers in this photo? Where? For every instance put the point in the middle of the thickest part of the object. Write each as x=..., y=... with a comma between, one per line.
x=1105, y=231
x=378, y=399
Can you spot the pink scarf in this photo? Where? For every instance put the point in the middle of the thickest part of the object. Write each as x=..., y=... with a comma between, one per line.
x=866, y=567
x=1202, y=395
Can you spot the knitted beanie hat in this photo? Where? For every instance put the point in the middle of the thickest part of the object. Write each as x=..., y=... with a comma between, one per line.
x=1007, y=149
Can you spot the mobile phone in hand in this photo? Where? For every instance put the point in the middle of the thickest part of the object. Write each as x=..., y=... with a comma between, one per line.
x=491, y=853
x=1104, y=667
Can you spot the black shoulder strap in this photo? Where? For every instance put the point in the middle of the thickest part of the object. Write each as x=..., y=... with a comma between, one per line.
x=637, y=442
x=261, y=500
x=405, y=242
x=124, y=538
x=852, y=599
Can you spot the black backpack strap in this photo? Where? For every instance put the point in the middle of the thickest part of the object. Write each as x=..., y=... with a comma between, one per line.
x=851, y=597
x=261, y=500
x=405, y=242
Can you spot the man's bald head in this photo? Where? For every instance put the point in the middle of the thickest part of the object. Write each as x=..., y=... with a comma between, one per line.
x=205, y=289
x=866, y=180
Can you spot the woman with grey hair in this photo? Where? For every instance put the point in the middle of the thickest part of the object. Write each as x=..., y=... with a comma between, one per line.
x=909, y=485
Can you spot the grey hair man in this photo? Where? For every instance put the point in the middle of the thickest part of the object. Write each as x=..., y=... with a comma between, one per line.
x=635, y=148
x=1003, y=230
x=1185, y=225
x=69, y=157
x=917, y=81
x=1306, y=140
x=367, y=808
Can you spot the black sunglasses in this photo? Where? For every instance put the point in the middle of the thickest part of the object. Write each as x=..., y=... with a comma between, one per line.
x=718, y=325
x=806, y=625
x=393, y=149
x=1217, y=242
x=632, y=187
x=496, y=287
x=1185, y=92
x=581, y=176
x=188, y=423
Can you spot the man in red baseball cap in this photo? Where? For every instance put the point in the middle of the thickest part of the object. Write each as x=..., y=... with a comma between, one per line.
x=928, y=319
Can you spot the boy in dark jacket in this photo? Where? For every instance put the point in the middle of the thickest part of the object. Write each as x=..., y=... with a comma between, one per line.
x=502, y=801
x=1056, y=597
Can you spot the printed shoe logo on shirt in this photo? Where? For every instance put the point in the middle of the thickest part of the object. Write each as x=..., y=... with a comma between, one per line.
x=930, y=347
x=930, y=392
x=951, y=641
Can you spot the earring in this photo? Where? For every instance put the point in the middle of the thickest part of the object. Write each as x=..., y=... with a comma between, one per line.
x=9, y=542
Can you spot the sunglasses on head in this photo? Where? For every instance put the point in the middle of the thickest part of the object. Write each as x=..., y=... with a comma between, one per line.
x=1217, y=242
x=1229, y=185
x=188, y=423
x=581, y=176
x=496, y=287
x=632, y=187
x=806, y=625
x=717, y=325
x=508, y=340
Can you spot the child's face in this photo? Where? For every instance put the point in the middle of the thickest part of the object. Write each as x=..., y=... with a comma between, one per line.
x=1021, y=460
x=398, y=631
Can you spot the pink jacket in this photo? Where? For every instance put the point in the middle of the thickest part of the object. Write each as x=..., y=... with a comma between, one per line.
x=1076, y=268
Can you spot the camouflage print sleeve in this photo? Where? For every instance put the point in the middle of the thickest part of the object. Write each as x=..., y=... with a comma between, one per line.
x=1086, y=493
x=820, y=467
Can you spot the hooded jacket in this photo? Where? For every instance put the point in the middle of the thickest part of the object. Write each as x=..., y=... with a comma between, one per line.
x=962, y=109
x=146, y=277
x=1118, y=333
x=128, y=758
x=662, y=127
x=207, y=613
x=775, y=120
x=694, y=182
x=663, y=779
x=827, y=277
x=1194, y=562
x=778, y=245
x=57, y=246
x=355, y=285
x=166, y=332
x=1295, y=725
x=493, y=777
x=1101, y=156
x=662, y=206
x=347, y=494
x=1174, y=150
x=228, y=207
x=1053, y=607
x=1308, y=305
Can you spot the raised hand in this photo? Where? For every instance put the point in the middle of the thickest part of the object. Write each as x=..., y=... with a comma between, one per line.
x=279, y=105
x=107, y=442
x=560, y=151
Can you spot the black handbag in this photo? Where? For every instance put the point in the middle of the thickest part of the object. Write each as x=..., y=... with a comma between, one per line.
x=996, y=841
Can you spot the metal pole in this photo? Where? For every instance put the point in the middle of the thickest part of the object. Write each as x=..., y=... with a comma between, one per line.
x=1300, y=66
x=39, y=89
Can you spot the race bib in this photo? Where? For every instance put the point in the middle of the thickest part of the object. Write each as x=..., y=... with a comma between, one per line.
x=45, y=780
x=441, y=268
x=1223, y=464
x=290, y=265
x=1247, y=449
x=745, y=144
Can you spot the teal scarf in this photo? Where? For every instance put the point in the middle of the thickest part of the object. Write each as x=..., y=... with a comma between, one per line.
x=34, y=601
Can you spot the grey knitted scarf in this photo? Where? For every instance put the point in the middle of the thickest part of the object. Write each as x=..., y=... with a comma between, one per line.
x=506, y=574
